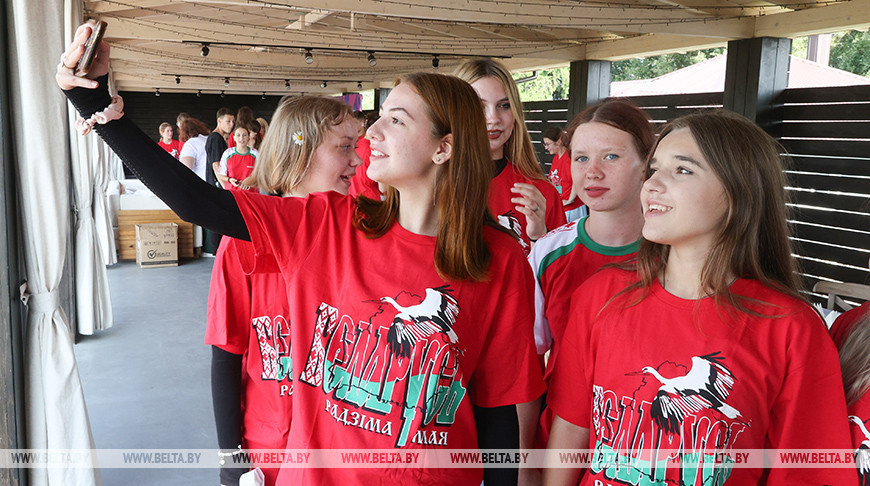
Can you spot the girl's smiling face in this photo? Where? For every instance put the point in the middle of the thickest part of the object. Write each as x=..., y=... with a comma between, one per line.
x=684, y=202
x=402, y=141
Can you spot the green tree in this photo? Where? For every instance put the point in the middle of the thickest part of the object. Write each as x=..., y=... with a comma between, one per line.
x=653, y=67
x=850, y=51
x=551, y=84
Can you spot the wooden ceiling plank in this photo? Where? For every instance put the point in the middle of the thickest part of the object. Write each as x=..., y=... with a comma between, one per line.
x=515, y=12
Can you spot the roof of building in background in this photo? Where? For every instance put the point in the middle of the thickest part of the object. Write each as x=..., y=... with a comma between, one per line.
x=709, y=76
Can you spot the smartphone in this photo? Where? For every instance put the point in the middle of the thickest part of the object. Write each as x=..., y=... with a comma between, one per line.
x=91, y=45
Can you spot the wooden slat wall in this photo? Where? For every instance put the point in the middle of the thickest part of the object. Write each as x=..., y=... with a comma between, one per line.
x=827, y=132
x=664, y=108
x=541, y=115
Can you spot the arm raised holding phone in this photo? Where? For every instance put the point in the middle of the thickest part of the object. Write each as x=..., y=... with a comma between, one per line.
x=192, y=199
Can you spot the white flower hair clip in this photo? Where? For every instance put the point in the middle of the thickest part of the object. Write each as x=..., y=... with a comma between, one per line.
x=297, y=137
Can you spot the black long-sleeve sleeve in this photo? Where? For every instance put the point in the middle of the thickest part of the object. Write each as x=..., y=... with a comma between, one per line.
x=191, y=198
x=498, y=428
x=226, y=397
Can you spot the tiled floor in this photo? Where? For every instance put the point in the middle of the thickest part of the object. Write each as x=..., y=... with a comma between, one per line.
x=146, y=380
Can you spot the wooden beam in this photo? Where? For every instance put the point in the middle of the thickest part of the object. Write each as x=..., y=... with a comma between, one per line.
x=648, y=45
x=819, y=20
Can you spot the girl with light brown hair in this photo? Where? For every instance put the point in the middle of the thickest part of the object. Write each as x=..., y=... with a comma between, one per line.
x=404, y=314
x=705, y=334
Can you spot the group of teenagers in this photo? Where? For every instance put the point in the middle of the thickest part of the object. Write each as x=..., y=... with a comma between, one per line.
x=670, y=315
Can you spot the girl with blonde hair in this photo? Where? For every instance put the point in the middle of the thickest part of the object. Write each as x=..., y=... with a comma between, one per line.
x=520, y=195
x=248, y=319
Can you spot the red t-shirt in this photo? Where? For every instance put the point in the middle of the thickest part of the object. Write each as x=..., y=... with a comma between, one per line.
x=502, y=208
x=248, y=315
x=859, y=411
x=378, y=337
x=360, y=182
x=686, y=375
x=240, y=166
x=173, y=147
x=560, y=177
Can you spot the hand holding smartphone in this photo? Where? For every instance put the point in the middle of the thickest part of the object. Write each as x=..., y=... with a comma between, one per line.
x=91, y=45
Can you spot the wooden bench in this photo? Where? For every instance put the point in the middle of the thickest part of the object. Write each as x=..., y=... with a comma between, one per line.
x=837, y=290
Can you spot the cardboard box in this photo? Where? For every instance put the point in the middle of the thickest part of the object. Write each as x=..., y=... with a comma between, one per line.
x=157, y=245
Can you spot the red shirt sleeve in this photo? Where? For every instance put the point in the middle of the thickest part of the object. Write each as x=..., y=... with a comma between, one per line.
x=810, y=411
x=283, y=230
x=508, y=372
x=570, y=393
x=229, y=302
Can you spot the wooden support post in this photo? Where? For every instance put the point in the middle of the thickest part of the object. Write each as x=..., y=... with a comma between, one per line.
x=589, y=83
x=380, y=96
x=755, y=74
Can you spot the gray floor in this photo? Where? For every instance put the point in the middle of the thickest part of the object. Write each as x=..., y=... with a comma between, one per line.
x=146, y=380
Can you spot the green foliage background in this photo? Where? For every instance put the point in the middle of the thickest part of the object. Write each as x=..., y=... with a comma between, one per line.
x=850, y=51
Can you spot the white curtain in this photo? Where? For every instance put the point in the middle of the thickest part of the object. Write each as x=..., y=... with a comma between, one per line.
x=102, y=217
x=93, y=301
x=55, y=409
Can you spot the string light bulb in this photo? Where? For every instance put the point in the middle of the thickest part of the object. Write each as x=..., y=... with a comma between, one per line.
x=287, y=83
x=435, y=61
x=198, y=93
x=157, y=92
x=204, y=51
x=226, y=82
x=263, y=97
x=323, y=84
x=222, y=93
x=309, y=58
x=177, y=79
x=359, y=85
x=372, y=61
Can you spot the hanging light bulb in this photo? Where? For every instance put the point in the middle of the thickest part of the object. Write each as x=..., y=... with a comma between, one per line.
x=177, y=79
x=435, y=61
x=309, y=58
x=287, y=83
x=226, y=82
x=323, y=84
x=264, y=96
x=204, y=51
x=359, y=85
x=198, y=93
x=372, y=61
x=157, y=92
x=222, y=93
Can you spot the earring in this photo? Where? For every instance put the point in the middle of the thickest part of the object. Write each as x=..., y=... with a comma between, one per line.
x=435, y=187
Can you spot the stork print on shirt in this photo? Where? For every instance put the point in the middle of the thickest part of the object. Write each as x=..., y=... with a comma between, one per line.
x=677, y=417
x=706, y=385
x=436, y=313
x=862, y=453
x=393, y=372
x=510, y=221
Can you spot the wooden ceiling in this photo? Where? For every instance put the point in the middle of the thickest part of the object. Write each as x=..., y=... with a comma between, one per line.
x=260, y=45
